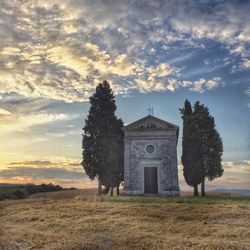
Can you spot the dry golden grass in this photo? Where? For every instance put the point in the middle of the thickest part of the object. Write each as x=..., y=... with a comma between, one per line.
x=87, y=222
x=65, y=194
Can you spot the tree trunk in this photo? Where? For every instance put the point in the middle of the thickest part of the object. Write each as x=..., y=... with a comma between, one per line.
x=99, y=187
x=203, y=188
x=111, y=192
x=196, y=192
x=106, y=190
x=117, y=190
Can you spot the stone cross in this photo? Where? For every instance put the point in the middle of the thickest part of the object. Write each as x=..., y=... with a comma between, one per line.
x=150, y=111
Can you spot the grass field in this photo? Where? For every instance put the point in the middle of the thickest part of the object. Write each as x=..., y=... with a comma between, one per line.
x=79, y=220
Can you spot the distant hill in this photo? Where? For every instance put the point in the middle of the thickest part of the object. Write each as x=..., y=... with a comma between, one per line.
x=244, y=192
x=20, y=191
x=12, y=185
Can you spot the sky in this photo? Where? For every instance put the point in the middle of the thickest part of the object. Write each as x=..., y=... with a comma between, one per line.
x=53, y=53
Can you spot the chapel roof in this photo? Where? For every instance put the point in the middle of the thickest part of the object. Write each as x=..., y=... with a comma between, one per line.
x=150, y=122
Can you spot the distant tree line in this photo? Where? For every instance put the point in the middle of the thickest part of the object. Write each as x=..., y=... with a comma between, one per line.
x=202, y=147
x=23, y=191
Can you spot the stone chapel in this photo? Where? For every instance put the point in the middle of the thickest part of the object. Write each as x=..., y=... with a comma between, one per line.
x=150, y=157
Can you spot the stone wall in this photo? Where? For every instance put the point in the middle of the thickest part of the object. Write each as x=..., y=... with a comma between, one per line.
x=164, y=158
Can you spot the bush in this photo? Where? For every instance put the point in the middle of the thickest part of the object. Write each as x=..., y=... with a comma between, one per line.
x=32, y=189
x=4, y=196
x=21, y=192
x=18, y=194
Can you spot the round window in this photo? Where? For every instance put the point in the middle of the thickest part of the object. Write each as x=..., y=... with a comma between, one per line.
x=150, y=149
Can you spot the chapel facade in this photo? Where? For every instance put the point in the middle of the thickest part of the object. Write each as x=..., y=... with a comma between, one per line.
x=150, y=157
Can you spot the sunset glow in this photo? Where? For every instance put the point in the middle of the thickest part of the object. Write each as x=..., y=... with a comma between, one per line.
x=153, y=53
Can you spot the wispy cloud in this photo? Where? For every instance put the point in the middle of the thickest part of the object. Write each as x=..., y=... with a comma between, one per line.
x=67, y=163
x=40, y=175
x=67, y=172
x=61, y=49
x=246, y=63
x=248, y=92
x=10, y=122
x=4, y=112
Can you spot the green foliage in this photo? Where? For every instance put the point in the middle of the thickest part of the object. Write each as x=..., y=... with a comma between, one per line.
x=213, y=158
x=4, y=196
x=19, y=194
x=191, y=154
x=209, y=143
x=103, y=139
x=32, y=189
x=201, y=146
x=23, y=191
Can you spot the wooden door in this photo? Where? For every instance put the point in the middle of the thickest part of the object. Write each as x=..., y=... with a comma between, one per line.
x=150, y=180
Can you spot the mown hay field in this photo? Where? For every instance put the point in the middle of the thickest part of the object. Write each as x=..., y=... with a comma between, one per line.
x=85, y=221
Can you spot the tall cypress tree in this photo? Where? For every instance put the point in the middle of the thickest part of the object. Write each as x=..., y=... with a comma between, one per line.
x=103, y=138
x=202, y=146
x=191, y=168
x=201, y=131
x=114, y=170
x=209, y=145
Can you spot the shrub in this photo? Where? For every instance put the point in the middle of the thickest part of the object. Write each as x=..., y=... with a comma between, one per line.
x=18, y=194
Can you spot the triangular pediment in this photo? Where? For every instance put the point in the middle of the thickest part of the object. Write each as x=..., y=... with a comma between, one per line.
x=150, y=123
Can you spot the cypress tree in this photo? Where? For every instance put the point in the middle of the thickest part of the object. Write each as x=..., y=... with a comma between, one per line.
x=102, y=142
x=113, y=175
x=200, y=133
x=209, y=145
x=190, y=149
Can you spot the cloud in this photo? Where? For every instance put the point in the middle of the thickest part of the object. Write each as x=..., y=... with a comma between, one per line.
x=9, y=51
x=4, y=112
x=63, y=134
x=90, y=59
x=17, y=104
x=246, y=63
x=89, y=64
x=40, y=175
x=66, y=163
x=61, y=49
x=85, y=63
x=63, y=171
x=241, y=167
x=247, y=92
x=226, y=24
x=197, y=86
x=10, y=122
x=202, y=84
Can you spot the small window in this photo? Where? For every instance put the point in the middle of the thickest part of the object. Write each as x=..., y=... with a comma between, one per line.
x=150, y=149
